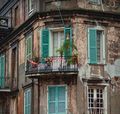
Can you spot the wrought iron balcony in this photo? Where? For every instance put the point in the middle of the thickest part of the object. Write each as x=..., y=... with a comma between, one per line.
x=8, y=84
x=52, y=65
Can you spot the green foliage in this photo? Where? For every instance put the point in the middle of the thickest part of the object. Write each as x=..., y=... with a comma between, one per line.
x=64, y=48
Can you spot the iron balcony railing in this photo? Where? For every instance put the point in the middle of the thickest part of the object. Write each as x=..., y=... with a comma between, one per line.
x=96, y=110
x=52, y=64
x=8, y=83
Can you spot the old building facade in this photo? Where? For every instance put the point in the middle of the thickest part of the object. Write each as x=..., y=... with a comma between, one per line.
x=60, y=57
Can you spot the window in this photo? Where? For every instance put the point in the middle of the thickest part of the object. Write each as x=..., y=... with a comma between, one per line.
x=2, y=71
x=96, y=46
x=30, y=6
x=28, y=46
x=95, y=100
x=58, y=40
x=16, y=16
x=28, y=50
x=95, y=1
x=53, y=40
x=57, y=100
x=14, y=63
x=27, y=101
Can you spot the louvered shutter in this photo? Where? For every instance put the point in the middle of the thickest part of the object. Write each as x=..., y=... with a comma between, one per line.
x=92, y=47
x=29, y=47
x=45, y=43
x=57, y=100
x=2, y=72
x=68, y=42
x=27, y=102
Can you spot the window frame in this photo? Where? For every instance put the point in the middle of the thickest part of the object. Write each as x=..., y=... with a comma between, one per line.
x=104, y=88
x=66, y=95
x=58, y=30
x=102, y=49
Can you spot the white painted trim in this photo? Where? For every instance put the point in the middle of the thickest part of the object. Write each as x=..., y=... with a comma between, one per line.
x=105, y=100
x=57, y=29
x=64, y=85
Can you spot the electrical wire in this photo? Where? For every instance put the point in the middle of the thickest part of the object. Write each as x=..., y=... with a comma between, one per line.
x=60, y=15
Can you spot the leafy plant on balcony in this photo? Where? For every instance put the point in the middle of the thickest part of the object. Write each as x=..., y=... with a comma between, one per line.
x=48, y=61
x=66, y=48
x=35, y=57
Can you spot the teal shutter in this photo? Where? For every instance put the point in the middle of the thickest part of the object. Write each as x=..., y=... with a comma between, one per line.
x=61, y=90
x=52, y=108
x=68, y=41
x=92, y=46
x=57, y=100
x=29, y=47
x=45, y=43
x=2, y=71
x=27, y=102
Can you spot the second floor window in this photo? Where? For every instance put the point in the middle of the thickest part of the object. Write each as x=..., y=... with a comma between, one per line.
x=52, y=40
x=28, y=46
x=96, y=46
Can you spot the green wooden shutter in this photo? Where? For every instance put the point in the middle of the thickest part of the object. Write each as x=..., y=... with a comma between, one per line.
x=45, y=43
x=27, y=102
x=52, y=100
x=2, y=71
x=61, y=100
x=68, y=42
x=92, y=47
x=29, y=47
x=57, y=100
